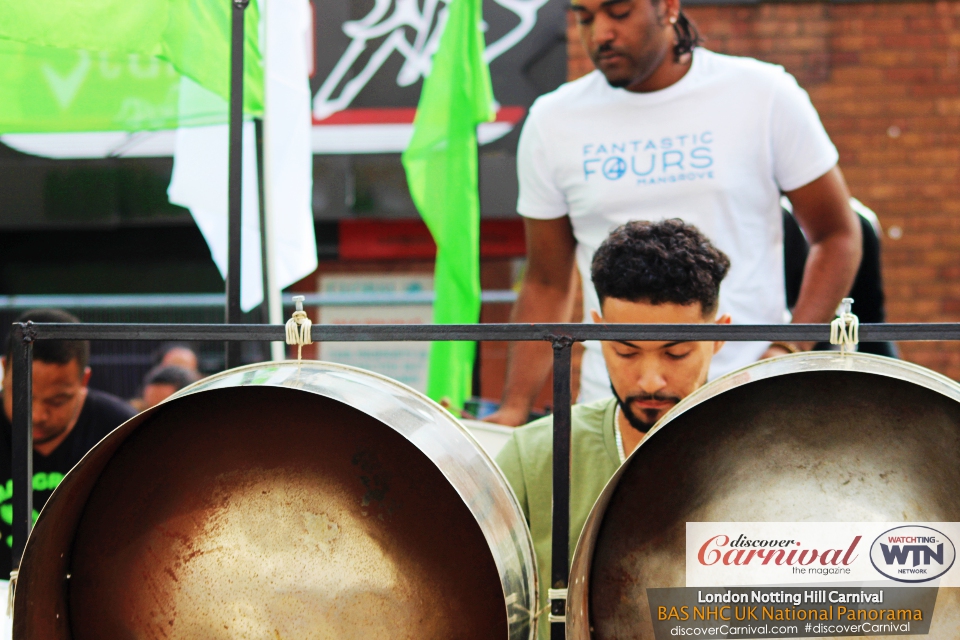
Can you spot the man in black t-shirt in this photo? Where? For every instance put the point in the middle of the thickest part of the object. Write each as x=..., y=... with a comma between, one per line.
x=68, y=419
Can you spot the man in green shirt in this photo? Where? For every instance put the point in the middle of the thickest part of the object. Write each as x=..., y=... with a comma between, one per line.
x=662, y=272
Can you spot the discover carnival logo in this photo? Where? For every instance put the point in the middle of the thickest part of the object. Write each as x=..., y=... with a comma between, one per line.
x=724, y=554
x=742, y=551
x=912, y=554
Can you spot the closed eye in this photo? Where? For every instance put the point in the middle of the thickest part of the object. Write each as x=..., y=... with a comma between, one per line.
x=583, y=17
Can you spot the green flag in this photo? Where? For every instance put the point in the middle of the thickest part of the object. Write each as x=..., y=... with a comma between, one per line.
x=441, y=166
x=116, y=65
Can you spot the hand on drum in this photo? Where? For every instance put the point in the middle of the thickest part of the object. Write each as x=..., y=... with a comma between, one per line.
x=785, y=348
x=508, y=417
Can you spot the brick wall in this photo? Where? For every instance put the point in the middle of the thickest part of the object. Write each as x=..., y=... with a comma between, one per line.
x=885, y=78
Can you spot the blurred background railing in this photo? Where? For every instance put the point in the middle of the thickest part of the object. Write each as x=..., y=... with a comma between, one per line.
x=119, y=367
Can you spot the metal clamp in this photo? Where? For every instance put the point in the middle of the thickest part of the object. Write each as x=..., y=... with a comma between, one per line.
x=845, y=330
x=557, y=597
x=28, y=332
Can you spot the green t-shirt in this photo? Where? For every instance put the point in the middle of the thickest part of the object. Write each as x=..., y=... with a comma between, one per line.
x=527, y=462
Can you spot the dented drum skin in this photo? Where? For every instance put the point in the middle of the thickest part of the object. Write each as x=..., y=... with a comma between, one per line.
x=813, y=437
x=277, y=501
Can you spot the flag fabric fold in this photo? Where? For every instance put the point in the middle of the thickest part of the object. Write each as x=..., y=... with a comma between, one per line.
x=115, y=65
x=199, y=183
x=105, y=67
x=288, y=152
x=442, y=172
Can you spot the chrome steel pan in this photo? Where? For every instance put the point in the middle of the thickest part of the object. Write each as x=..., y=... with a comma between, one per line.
x=282, y=501
x=818, y=437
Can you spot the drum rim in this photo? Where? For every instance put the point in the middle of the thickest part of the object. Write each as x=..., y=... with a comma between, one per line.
x=578, y=606
x=813, y=361
x=507, y=534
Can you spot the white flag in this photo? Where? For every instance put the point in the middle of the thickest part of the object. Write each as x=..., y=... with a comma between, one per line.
x=199, y=180
x=199, y=183
x=288, y=155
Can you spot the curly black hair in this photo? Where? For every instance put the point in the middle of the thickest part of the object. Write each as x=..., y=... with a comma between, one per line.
x=659, y=262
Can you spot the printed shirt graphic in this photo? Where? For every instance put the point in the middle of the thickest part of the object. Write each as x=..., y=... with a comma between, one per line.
x=101, y=414
x=715, y=149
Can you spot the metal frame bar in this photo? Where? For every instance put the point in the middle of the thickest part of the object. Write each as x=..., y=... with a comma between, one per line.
x=22, y=439
x=480, y=332
x=560, y=534
x=562, y=337
x=262, y=221
x=235, y=172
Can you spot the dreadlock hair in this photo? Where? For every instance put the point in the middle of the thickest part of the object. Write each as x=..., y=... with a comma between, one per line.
x=688, y=36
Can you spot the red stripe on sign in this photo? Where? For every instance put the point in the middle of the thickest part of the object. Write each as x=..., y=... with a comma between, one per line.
x=385, y=115
x=403, y=115
x=410, y=239
x=513, y=115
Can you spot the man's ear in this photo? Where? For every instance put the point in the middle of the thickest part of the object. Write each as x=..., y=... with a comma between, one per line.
x=670, y=8
x=85, y=380
x=597, y=318
x=724, y=319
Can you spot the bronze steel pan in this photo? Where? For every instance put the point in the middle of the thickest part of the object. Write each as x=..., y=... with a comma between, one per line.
x=282, y=501
x=814, y=437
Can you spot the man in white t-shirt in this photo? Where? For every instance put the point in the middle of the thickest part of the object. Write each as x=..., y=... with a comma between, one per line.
x=663, y=129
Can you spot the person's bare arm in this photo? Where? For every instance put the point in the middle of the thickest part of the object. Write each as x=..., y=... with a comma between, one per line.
x=823, y=210
x=546, y=295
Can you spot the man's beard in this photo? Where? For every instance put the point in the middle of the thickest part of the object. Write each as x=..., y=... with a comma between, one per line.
x=653, y=415
x=643, y=64
x=616, y=83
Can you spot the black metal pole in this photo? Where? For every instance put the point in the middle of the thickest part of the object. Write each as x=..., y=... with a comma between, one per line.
x=264, y=253
x=560, y=550
x=235, y=184
x=22, y=440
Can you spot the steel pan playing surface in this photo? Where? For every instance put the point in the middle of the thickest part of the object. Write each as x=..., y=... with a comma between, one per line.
x=807, y=439
x=264, y=512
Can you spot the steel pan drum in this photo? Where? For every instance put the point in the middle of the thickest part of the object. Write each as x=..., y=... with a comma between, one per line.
x=282, y=501
x=818, y=437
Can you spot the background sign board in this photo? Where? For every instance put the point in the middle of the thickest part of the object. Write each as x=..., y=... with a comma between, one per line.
x=402, y=361
x=372, y=55
x=369, y=61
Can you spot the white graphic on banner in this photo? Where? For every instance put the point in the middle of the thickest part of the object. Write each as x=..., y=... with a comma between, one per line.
x=426, y=25
x=727, y=554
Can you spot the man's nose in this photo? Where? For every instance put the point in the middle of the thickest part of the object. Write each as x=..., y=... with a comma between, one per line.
x=603, y=31
x=39, y=413
x=651, y=379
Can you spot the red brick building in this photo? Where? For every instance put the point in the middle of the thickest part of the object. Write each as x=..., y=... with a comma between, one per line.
x=885, y=77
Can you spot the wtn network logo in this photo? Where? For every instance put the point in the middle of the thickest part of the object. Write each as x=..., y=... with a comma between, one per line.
x=912, y=554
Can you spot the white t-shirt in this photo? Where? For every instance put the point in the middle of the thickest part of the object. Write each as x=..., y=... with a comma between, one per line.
x=715, y=150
